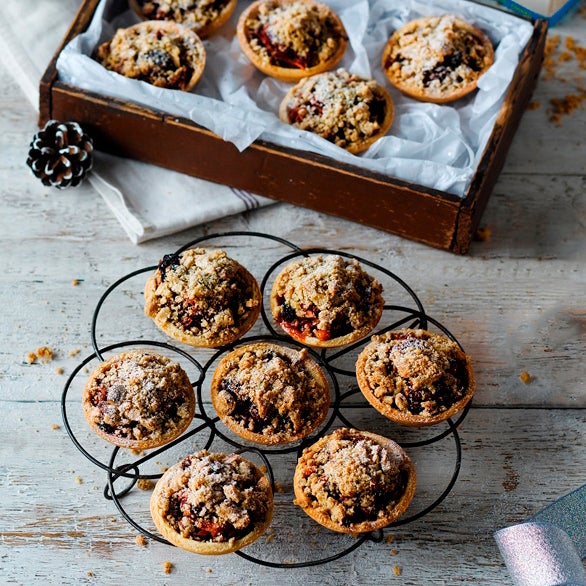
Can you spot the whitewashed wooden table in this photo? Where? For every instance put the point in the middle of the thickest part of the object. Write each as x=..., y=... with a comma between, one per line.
x=516, y=303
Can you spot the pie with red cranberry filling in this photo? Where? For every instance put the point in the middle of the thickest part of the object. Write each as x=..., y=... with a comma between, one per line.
x=270, y=394
x=202, y=298
x=437, y=59
x=415, y=377
x=162, y=53
x=202, y=16
x=291, y=39
x=354, y=481
x=350, y=111
x=138, y=399
x=212, y=503
x=326, y=301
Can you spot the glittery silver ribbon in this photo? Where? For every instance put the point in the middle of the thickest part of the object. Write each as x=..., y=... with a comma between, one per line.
x=547, y=549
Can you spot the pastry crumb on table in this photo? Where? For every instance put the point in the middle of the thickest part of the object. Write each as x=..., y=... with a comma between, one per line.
x=562, y=55
x=525, y=377
x=43, y=354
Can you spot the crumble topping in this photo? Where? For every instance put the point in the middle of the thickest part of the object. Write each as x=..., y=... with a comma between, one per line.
x=294, y=34
x=137, y=396
x=326, y=297
x=193, y=13
x=338, y=106
x=162, y=56
x=214, y=497
x=272, y=391
x=352, y=478
x=435, y=56
x=416, y=371
x=204, y=293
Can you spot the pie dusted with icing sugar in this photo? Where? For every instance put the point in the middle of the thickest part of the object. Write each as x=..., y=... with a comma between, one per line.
x=202, y=298
x=162, y=53
x=354, y=481
x=291, y=39
x=138, y=399
x=212, y=503
x=415, y=377
x=438, y=58
x=269, y=393
x=350, y=111
x=204, y=17
x=326, y=301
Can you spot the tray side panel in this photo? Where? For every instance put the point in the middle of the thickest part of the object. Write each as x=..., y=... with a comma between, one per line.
x=134, y=132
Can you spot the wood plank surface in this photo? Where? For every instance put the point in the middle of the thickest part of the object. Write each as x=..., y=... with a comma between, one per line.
x=516, y=303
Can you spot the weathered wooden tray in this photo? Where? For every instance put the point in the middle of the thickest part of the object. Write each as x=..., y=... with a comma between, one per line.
x=423, y=214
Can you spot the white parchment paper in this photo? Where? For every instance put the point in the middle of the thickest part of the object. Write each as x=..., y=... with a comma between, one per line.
x=436, y=146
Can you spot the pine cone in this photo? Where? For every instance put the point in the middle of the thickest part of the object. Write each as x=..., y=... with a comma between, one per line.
x=61, y=154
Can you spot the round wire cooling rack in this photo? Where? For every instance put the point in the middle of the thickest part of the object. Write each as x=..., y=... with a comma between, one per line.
x=208, y=426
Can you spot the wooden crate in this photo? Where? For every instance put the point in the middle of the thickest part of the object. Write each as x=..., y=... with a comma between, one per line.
x=413, y=211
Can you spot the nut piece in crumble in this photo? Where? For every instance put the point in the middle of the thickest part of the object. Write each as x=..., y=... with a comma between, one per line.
x=415, y=377
x=270, y=394
x=162, y=53
x=212, y=503
x=437, y=58
x=326, y=301
x=202, y=298
x=350, y=111
x=204, y=17
x=291, y=39
x=138, y=399
x=354, y=481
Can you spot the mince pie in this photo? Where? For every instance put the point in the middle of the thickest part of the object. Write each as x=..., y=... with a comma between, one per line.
x=437, y=58
x=354, y=481
x=138, y=399
x=270, y=394
x=162, y=53
x=291, y=39
x=350, y=111
x=415, y=377
x=204, y=17
x=211, y=503
x=202, y=298
x=326, y=301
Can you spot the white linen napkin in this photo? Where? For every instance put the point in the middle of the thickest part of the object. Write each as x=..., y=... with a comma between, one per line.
x=148, y=201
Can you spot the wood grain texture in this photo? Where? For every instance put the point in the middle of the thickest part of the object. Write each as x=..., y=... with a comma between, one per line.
x=516, y=303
